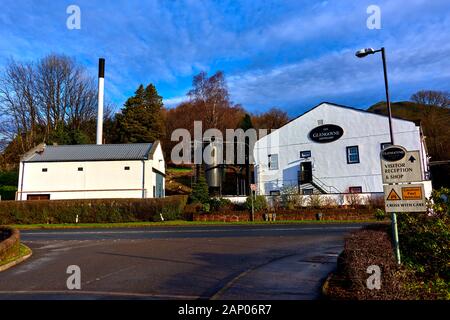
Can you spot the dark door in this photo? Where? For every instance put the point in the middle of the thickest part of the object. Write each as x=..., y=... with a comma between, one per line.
x=159, y=190
x=38, y=197
x=305, y=174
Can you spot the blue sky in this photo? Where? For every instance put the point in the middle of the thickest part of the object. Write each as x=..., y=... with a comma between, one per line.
x=290, y=54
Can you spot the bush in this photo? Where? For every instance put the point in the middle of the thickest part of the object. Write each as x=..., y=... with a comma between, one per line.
x=259, y=203
x=91, y=211
x=315, y=201
x=441, y=202
x=291, y=198
x=380, y=214
x=375, y=201
x=425, y=244
x=354, y=200
x=220, y=204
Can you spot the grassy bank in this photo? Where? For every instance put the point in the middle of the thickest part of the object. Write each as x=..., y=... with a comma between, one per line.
x=23, y=251
x=174, y=223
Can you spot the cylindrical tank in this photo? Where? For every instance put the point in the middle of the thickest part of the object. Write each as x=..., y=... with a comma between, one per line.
x=213, y=169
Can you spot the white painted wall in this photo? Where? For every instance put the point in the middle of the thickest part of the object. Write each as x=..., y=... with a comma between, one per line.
x=329, y=160
x=98, y=180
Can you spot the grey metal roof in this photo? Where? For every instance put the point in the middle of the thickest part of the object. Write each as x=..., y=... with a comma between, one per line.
x=91, y=152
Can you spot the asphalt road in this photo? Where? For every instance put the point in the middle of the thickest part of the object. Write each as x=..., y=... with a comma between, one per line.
x=207, y=262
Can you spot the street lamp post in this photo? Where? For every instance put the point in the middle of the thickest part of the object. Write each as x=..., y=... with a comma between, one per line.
x=365, y=52
x=361, y=54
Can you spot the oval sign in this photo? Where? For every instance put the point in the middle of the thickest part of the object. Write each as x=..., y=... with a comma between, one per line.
x=326, y=133
x=393, y=153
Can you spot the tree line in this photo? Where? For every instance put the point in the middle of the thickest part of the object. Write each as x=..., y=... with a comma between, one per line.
x=54, y=100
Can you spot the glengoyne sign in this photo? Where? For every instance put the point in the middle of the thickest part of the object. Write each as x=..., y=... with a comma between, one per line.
x=326, y=133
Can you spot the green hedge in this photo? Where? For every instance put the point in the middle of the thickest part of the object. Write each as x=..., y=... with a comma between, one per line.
x=8, y=192
x=91, y=211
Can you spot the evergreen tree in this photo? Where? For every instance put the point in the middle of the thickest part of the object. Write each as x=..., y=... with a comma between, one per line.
x=200, y=192
x=141, y=119
x=246, y=122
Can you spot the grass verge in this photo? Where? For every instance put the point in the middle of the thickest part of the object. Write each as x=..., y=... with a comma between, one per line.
x=23, y=252
x=175, y=223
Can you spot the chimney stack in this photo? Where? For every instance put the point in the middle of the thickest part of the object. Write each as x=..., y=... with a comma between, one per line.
x=101, y=92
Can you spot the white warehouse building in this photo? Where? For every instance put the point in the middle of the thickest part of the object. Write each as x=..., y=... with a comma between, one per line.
x=92, y=172
x=332, y=149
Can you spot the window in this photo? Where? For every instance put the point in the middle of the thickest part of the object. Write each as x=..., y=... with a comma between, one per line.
x=352, y=154
x=44, y=170
x=384, y=145
x=308, y=191
x=80, y=169
x=355, y=190
x=305, y=154
x=273, y=161
x=126, y=168
x=275, y=193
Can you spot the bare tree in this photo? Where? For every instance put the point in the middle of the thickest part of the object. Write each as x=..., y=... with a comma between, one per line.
x=435, y=121
x=432, y=98
x=212, y=94
x=66, y=93
x=19, y=108
x=39, y=98
x=272, y=119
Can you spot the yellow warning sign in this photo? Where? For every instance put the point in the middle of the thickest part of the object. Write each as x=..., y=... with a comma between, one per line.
x=393, y=195
x=412, y=193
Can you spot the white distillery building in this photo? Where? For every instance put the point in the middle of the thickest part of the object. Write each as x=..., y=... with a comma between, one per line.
x=92, y=172
x=332, y=149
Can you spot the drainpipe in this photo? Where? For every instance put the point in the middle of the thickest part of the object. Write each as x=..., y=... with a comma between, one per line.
x=21, y=180
x=143, y=179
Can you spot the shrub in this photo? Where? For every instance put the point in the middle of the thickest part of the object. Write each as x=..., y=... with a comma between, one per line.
x=375, y=201
x=90, y=211
x=330, y=202
x=291, y=198
x=425, y=244
x=220, y=204
x=441, y=202
x=380, y=214
x=315, y=201
x=354, y=200
x=259, y=203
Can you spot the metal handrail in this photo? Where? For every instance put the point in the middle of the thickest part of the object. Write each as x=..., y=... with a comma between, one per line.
x=324, y=186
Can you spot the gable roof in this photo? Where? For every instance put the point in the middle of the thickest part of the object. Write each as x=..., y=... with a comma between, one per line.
x=342, y=106
x=91, y=152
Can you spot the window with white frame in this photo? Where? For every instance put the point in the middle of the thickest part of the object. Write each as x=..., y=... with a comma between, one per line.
x=273, y=161
x=352, y=154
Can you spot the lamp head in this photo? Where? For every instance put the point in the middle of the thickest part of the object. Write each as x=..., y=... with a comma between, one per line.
x=364, y=52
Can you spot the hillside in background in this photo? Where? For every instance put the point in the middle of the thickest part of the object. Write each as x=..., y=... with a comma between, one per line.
x=403, y=109
x=435, y=122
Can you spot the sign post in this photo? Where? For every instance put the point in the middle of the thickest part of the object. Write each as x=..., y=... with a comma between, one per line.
x=399, y=168
x=253, y=190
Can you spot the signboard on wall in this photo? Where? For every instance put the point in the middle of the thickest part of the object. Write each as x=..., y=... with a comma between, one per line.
x=326, y=133
x=305, y=154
